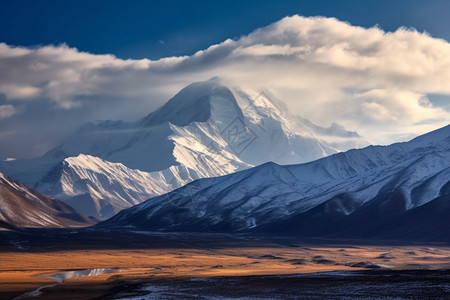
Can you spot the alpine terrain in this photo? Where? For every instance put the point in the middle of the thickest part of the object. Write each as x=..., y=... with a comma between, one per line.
x=397, y=191
x=20, y=206
x=205, y=130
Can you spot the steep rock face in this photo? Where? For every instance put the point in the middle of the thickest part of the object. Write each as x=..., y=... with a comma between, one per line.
x=20, y=206
x=376, y=191
x=206, y=130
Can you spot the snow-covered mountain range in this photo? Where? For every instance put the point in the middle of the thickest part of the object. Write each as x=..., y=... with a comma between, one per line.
x=206, y=130
x=92, y=184
x=20, y=206
x=401, y=190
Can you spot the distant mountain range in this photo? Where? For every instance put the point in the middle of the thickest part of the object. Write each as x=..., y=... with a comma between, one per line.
x=206, y=130
x=401, y=191
x=21, y=206
x=209, y=160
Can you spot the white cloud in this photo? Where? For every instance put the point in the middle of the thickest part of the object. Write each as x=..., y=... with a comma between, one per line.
x=326, y=70
x=19, y=92
x=7, y=111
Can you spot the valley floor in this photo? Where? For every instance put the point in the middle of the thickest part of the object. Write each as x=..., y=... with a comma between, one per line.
x=172, y=266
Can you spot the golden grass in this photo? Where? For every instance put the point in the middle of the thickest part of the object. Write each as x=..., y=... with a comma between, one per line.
x=22, y=271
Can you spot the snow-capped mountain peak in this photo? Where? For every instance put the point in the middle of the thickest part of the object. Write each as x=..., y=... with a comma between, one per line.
x=205, y=130
x=191, y=104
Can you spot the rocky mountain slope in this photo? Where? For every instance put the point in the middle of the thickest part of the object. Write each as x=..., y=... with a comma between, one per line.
x=20, y=206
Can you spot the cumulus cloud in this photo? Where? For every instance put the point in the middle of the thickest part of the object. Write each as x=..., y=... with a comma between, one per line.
x=369, y=80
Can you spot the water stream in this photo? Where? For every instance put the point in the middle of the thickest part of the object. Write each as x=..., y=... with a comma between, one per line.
x=61, y=276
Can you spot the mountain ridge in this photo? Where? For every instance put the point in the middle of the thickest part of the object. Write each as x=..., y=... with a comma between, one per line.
x=20, y=206
x=324, y=197
x=205, y=130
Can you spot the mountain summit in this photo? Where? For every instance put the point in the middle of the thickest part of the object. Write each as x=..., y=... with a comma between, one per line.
x=191, y=104
x=206, y=130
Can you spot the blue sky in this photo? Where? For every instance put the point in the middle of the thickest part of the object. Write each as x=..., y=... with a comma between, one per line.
x=57, y=71
x=154, y=29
